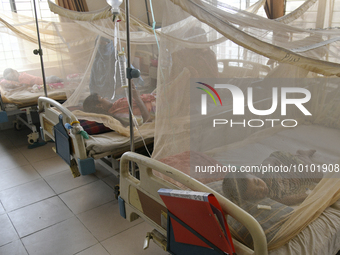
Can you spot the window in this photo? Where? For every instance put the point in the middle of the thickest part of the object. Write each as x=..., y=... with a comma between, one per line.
x=16, y=52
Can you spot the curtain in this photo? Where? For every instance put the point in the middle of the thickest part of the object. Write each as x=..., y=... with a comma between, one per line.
x=274, y=8
x=74, y=5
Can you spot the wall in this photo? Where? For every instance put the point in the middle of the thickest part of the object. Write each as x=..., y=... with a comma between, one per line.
x=138, y=10
x=96, y=5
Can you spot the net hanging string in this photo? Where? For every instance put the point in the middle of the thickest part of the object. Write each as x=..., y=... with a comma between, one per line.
x=154, y=31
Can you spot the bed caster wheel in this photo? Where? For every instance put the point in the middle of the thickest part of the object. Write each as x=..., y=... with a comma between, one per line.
x=33, y=137
x=30, y=141
x=17, y=125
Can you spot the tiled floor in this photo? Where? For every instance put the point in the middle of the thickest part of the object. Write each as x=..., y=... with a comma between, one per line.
x=44, y=210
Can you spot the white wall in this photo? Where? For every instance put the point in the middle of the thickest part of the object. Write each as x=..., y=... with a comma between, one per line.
x=138, y=10
x=96, y=4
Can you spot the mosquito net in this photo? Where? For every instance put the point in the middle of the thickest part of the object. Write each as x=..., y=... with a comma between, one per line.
x=237, y=79
x=252, y=103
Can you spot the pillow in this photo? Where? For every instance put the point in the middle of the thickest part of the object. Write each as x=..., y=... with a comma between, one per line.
x=93, y=128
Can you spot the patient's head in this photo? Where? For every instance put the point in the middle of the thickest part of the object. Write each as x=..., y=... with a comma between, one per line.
x=11, y=74
x=245, y=186
x=96, y=104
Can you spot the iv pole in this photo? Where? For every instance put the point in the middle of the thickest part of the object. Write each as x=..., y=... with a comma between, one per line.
x=39, y=51
x=130, y=73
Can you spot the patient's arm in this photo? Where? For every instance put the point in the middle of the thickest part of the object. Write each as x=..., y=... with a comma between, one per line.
x=292, y=199
x=140, y=103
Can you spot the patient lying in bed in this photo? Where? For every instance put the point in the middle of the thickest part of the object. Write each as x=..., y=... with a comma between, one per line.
x=144, y=106
x=286, y=188
x=13, y=80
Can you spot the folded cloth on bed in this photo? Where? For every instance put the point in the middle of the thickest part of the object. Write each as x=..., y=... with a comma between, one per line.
x=145, y=130
x=93, y=128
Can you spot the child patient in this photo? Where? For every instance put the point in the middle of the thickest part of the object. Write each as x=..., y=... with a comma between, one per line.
x=15, y=80
x=288, y=189
x=143, y=105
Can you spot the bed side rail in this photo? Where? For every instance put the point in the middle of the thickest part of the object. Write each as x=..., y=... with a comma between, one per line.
x=149, y=185
x=45, y=103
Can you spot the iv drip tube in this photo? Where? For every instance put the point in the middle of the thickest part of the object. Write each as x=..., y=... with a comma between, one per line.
x=122, y=69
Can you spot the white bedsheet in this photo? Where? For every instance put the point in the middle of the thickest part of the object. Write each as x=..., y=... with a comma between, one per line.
x=108, y=142
x=321, y=236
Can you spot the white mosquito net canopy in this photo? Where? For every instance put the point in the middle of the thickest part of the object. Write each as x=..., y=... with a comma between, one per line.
x=240, y=92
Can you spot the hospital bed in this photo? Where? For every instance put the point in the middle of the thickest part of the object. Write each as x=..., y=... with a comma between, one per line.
x=80, y=148
x=21, y=101
x=139, y=197
x=250, y=226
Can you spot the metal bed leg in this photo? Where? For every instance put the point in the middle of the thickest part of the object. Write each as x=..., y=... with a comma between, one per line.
x=33, y=138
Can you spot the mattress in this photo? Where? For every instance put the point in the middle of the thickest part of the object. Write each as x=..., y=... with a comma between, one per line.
x=110, y=143
x=27, y=97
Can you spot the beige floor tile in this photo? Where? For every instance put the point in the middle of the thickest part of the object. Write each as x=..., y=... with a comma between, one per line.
x=11, y=161
x=15, y=248
x=105, y=221
x=17, y=176
x=65, y=238
x=7, y=231
x=38, y=154
x=49, y=166
x=25, y=194
x=88, y=196
x=7, y=147
x=19, y=137
x=97, y=249
x=43, y=214
x=131, y=242
x=101, y=172
x=111, y=180
x=64, y=181
x=2, y=210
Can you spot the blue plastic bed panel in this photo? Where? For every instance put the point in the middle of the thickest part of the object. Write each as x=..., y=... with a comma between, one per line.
x=86, y=166
x=62, y=141
x=3, y=117
x=121, y=204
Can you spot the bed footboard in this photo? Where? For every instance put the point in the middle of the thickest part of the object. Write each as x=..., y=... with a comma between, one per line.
x=52, y=113
x=139, y=198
